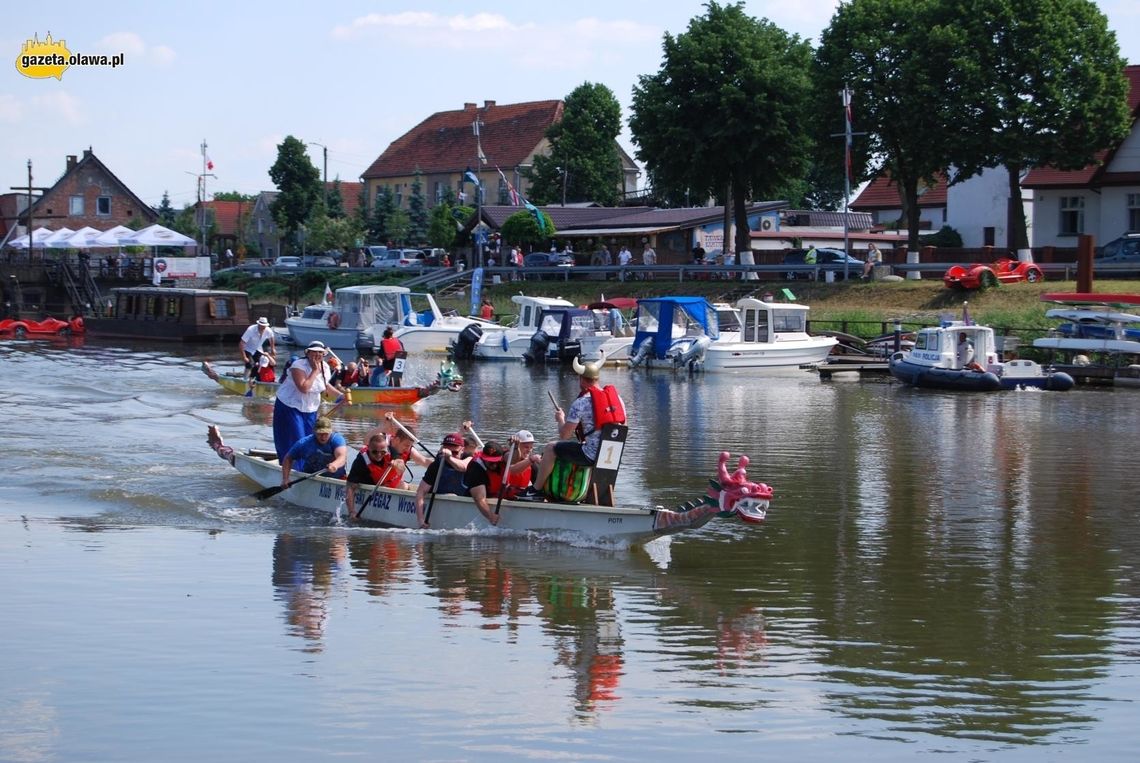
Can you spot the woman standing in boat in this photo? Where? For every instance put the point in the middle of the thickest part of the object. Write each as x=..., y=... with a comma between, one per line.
x=299, y=398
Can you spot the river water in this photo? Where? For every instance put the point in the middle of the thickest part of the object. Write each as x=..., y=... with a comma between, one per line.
x=939, y=573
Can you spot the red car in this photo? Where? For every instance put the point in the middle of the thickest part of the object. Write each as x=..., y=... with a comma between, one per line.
x=46, y=327
x=982, y=275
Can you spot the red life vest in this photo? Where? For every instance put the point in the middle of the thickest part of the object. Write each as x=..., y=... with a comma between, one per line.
x=376, y=470
x=266, y=374
x=390, y=346
x=608, y=408
x=520, y=479
x=494, y=480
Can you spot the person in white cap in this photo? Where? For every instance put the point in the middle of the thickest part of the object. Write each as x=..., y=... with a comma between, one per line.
x=299, y=397
x=520, y=474
x=252, y=345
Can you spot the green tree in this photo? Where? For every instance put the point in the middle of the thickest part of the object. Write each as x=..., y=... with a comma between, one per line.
x=726, y=115
x=166, y=213
x=894, y=55
x=186, y=222
x=584, y=163
x=334, y=200
x=1044, y=86
x=417, y=212
x=383, y=211
x=234, y=196
x=298, y=185
x=327, y=232
x=522, y=228
x=445, y=219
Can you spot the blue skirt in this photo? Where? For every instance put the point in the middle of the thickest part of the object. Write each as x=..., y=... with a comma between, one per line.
x=289, y=426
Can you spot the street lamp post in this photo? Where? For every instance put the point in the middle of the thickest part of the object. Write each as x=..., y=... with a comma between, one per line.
x=325, y=151
x=845, y=96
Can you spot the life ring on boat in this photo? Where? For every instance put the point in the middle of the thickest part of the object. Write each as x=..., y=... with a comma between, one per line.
x=334, y=320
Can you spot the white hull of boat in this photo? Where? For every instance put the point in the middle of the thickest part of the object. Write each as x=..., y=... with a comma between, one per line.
x=1086, y=344
x=744, y=356
x=304, y=332
x=396, y=508
x=491, y=347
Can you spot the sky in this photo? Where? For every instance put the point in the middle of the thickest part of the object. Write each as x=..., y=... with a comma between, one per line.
x=348, y=75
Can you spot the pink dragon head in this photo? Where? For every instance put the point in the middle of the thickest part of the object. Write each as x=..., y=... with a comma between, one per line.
x=748, y=500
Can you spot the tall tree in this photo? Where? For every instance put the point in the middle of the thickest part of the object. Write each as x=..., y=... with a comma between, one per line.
x=895, y=56
x=383, y=212
x=445, y=219
x=166, y=213
x=417, y=211
x=1044, y=85
x=584, y=163
x=522, y=228
x=335, y=200
x=726, y=115
x=298, y=184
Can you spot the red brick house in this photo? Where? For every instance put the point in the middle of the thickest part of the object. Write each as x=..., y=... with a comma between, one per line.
x=87, y=193
x=443, y=146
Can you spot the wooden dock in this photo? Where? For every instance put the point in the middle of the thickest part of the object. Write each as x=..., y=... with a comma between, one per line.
x=827, y=370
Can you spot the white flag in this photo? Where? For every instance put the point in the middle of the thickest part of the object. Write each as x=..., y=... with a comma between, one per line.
x=328, y=294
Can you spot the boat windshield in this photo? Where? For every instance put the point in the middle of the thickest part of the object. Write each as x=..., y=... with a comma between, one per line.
x=314, y=313
x=365, y=309
x=784, y=321
x=551, y=324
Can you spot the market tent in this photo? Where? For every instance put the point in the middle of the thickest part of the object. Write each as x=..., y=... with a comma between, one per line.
x=80, y=239
x=38, y=236
x=63, y=234
x=158, y=235
x=112, y=236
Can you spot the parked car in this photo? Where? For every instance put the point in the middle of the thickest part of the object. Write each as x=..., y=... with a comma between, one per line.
x=982, y=275
x=318, y=261
x=287, y=262
x=548, y=260
x=399, y=258
x=434, y=257
x=827, y=259
x=374, y=253
x=1118, y=253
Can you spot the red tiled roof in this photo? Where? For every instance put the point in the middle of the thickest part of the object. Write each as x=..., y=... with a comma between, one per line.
x=444, y=142
x=1092, y=174
x=350, y=196
x=229, y=215
x=883, y=193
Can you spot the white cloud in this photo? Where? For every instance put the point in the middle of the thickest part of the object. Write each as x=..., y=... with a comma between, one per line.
x=11, y=110
x=134, y=48
x=59, y=104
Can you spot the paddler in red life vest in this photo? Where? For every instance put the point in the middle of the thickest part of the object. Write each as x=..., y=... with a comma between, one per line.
x=520, y=474
x=383, y=461
x=594, y=407
x=484, y=478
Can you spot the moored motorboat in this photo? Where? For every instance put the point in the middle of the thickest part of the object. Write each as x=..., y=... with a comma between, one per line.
x=447, y=379
x=938, y=361
x=549, y=329
x=347, y=323
x=730, y=495
x=24, y=327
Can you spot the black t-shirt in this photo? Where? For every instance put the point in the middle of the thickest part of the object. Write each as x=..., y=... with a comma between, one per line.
x=476, y=475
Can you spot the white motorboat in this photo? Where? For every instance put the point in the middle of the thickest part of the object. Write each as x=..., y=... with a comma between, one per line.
x=428, y=329
x=552, y=329
x=772, y=335
x=347, y=323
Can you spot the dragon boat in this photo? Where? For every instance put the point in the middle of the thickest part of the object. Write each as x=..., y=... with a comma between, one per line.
x=730, y=494
x=448, y=378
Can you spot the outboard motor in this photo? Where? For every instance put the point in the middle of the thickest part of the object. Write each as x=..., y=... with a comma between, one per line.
x=693, y=356
x=642, y=353
x=463, y=348
x=569, y=349
x=539, y=346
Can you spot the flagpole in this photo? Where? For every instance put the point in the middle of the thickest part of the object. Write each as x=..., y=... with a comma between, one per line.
x=845, y=95
x=478, y=187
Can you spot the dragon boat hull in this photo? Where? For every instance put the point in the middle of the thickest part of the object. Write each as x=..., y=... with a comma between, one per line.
x=616, y=525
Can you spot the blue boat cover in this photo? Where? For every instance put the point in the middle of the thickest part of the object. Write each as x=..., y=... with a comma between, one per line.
x=656, y=317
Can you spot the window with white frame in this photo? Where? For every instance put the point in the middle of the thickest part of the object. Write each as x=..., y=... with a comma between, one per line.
x=103, y=206
x=1072, y=221
x=75, y=206
x=1134, y=213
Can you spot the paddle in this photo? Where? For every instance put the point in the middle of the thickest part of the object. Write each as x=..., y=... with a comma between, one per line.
x=442, y=461
x=506, y=474
x=471, y=429
x=269, y=492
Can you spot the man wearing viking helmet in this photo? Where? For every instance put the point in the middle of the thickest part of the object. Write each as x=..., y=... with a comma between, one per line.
x=591, y=410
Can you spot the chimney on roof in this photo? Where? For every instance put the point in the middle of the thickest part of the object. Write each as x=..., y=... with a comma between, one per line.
x=86, y=152
x=71, y=160
x=468, y=107
x=488, y=104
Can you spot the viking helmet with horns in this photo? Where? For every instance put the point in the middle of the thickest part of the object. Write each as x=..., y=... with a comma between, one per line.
x=590, y=370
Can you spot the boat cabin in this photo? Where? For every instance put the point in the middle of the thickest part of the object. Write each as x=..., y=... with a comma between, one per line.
x=172, y=314
x=769, y=322
x=531, y=308
x=362, y=307
x=938, y=346
x=664, y=320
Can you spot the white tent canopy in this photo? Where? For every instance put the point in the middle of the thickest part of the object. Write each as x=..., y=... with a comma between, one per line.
x=57, y=237
x=38, y=236
x=80, y=239
x=157, y=235
x=113, y=236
